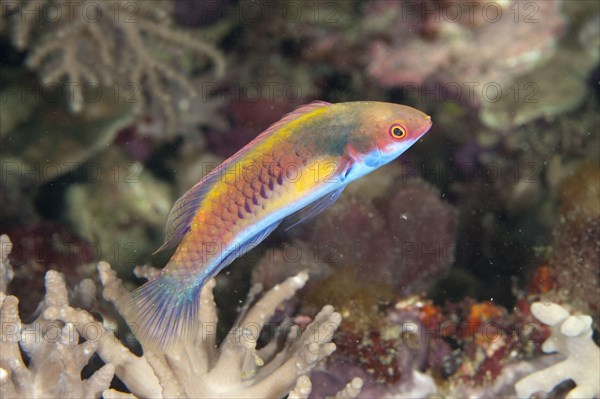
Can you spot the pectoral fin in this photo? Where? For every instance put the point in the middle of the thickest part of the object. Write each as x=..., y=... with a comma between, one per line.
x=312, y=209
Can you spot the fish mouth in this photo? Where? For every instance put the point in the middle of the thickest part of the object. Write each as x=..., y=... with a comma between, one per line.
x=426, y=126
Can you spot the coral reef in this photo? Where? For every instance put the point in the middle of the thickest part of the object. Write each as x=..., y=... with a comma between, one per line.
x=40, y=247
x=457, y=54
x=303, y=389
x=492, y=341
x=418, y=349
x=55, y=357
x=234, y=368
x=6, y=271
x=448, y=50
x=35, y=146
x=392, y=351
x=572, y=273
x=432, y=262
x=572, y=337
x=536, y=93
x=381, y=240
x=137, y=53
x=121, y=210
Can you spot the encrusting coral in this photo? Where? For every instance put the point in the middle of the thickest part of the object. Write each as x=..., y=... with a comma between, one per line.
x=129, y=48
x=572, y=337
x=235, y=368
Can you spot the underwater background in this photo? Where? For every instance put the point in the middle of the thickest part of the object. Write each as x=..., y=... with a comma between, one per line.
x=110, y=110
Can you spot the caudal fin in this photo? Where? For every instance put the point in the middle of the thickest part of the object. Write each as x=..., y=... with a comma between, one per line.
x=163, y=313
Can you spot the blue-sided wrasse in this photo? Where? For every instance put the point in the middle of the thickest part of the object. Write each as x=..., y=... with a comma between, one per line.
x=292, y=171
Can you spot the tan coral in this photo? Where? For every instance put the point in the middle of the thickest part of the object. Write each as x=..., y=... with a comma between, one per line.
x=303, y=388
x=235, y=368
x=54, y=352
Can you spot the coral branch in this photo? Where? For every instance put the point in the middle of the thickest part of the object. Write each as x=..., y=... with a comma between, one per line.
x=201, y=369
x=302, y=389
x=572, y=337
x=54, y=352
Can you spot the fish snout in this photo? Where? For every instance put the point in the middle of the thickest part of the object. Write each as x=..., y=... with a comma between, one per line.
x=429, y=122
x=423, y=126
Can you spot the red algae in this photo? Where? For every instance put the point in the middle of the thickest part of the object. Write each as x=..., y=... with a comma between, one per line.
x=543, y=280
x=479, y=317
x=42, y=247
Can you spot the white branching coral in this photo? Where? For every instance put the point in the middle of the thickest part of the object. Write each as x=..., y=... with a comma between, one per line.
x=572, y=337
x=55, y=356
x=303, y=388
x=128, y=47
x=235, y=368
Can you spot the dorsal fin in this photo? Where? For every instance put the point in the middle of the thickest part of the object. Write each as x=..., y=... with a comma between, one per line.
x=183, y=211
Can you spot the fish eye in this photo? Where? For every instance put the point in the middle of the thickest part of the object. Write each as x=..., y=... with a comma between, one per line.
x=397, y=131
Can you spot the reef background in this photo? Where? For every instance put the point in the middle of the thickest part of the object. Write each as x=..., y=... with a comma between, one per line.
x=109, y=113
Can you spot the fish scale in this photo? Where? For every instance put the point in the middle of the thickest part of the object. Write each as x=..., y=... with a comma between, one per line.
x=289, y=173
x=245, y=202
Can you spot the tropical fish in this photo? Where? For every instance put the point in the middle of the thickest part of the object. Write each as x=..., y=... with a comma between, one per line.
x=291, y=172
